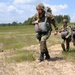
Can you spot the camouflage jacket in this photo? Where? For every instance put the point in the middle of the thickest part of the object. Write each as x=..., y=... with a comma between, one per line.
x=50, y=19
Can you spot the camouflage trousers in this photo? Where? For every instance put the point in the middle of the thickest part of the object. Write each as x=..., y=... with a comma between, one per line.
x=42, y=37
x=68, y=40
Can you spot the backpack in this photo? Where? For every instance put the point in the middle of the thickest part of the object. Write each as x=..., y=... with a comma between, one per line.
x=43, y=26
x=47, y=9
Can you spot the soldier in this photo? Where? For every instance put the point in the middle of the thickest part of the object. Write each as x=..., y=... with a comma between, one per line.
x=73, y=38
x=66, y=35
x=43, y=36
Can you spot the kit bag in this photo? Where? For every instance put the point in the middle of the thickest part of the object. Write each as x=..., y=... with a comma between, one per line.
x=64, y=34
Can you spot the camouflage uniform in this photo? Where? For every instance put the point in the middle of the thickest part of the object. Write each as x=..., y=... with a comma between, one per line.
x=43, y=36
x=68, y=29
x=73, y=38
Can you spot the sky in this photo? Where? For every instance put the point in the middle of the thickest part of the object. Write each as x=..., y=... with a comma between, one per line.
x=21, y=10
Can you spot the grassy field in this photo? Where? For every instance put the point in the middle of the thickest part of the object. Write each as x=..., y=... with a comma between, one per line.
x=14, y=38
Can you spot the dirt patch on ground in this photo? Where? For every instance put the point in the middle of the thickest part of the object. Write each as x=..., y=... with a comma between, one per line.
x=56, y=66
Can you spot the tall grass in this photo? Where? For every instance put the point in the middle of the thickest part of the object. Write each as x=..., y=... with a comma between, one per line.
x=17, y=37
x=14, y=38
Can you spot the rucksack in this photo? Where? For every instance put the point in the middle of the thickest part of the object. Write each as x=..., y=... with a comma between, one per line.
x=47, y=9
x=43, y=26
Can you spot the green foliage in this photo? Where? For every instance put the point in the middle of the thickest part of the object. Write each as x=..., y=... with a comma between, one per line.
x=11, y=24
x=69, y=55
x=60, y=18
x=67, y=17
x=28, y=22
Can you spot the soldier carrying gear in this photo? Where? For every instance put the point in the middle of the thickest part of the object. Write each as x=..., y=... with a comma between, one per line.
x=65, y=35
x=44, y=29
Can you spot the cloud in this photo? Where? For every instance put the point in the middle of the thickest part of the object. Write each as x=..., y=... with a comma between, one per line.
x=10, y=13
x=72, y=18
x=12, y=8
x=20, y=10
x=57, y=8
x=22, y=1
x=3, y=7
x=63, y=6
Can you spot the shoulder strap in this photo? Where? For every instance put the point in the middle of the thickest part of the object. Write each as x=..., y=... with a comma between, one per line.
x=45, y=13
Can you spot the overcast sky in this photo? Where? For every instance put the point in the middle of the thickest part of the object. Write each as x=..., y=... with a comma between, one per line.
x=20, y=10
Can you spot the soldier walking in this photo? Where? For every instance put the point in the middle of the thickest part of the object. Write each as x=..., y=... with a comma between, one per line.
x=42, y=36
x=65, y=35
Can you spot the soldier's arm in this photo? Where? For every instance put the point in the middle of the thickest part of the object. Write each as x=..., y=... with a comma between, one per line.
x=35, y=19
x=53, y=21
x=55, y=24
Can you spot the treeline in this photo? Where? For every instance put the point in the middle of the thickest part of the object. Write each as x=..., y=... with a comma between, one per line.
x=59, y=18
x=11, y=24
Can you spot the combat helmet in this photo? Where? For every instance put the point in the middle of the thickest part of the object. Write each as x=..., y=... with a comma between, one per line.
x=40, y=6
x=65, y=20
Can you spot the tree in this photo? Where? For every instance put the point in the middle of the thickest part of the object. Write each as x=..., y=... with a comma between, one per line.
x=28, y=22
x=60, y=18
x=14, y=23
x=67, y=17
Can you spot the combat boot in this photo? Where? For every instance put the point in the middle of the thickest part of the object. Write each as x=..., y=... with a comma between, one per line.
x=67, y=49
x=63, y=47
x=47, y=55
x=41, y=58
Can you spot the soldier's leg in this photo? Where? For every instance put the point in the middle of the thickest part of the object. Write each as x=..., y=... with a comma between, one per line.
x=63, y=44
x=42, y=50
x=41, y=58
x=44, y=46
x=38, y=36
x=68, y=43
x=47, y=55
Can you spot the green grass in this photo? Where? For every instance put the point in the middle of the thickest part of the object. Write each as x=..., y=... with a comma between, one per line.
x=17, y=37
x=17, y=29
x=20, y=56
x=69, y=55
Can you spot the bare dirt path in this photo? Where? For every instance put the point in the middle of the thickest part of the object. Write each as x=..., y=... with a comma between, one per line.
x=56, y=66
